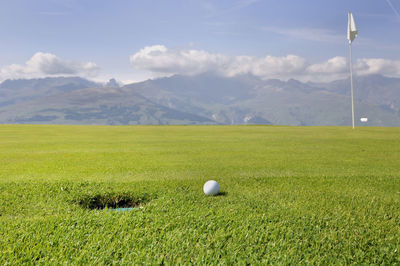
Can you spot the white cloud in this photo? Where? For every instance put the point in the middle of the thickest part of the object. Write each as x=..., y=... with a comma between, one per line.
x=332, y=69
x=161, y=61
x=337, y=64
x=46, y=64
x=158, y=59
x=387, y=67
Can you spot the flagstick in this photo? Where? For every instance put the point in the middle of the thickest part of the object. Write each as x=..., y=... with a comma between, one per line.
x=351, y=81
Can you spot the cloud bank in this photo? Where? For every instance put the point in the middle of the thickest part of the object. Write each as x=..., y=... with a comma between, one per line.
x=161, y=61
x=46, y=64
x=158, y=61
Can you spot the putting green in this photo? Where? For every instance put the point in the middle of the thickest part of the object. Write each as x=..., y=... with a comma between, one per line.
x=294, y=195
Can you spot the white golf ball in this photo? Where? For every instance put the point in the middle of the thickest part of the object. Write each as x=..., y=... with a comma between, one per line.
x=211, y=188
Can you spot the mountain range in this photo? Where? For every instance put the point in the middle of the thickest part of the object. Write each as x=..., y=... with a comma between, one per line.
x=201, y=99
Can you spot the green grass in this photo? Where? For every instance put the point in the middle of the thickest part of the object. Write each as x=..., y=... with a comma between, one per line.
x=292, y=195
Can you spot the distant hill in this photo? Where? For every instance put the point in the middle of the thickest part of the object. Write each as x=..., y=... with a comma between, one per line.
x=201, y=99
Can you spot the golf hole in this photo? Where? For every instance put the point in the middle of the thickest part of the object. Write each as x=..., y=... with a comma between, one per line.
x=113, y=201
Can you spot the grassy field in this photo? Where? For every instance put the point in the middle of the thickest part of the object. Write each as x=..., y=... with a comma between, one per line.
x=299, y=195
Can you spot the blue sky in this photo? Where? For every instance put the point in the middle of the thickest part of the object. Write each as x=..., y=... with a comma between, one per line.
x=101, y=39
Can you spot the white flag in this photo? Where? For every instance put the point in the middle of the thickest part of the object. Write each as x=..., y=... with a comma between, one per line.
x=351, y=29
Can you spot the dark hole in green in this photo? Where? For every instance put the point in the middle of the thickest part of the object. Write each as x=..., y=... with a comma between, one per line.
x=112, y=201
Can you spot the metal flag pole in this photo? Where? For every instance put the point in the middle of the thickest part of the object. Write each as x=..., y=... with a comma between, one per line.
x=351, y=35
x=351, y=81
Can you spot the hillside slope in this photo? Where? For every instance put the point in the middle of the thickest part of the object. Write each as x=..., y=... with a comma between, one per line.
x=201, y=99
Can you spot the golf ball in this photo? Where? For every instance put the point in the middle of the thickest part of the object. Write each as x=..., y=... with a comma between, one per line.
x=211, y=188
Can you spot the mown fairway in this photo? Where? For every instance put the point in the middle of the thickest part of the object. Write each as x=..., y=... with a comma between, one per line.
x=290, y=194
